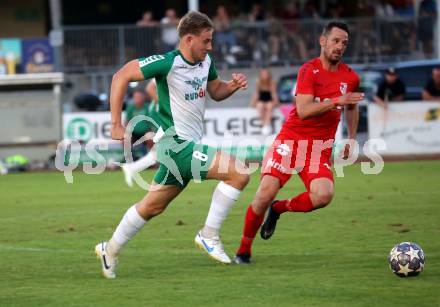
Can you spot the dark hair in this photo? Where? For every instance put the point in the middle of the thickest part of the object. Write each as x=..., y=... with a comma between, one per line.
x=335, y=24
x=194, y=23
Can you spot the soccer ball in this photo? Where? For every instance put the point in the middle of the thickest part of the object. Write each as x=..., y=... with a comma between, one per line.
x=406, y=259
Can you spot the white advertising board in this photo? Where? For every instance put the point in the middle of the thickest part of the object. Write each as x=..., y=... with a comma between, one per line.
x=406, y=127
x=234, y=123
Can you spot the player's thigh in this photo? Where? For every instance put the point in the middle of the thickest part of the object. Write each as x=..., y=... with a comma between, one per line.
x=227, y=168
x=317, y=169
x=157, y=199
x=279, y=161
x=192, y=161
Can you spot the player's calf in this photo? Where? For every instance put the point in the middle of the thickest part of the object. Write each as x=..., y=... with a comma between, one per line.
x=237, y=180
x=265, y=195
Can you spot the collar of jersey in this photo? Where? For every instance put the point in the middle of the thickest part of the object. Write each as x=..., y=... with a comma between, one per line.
x=186, y=61
x=332, y=72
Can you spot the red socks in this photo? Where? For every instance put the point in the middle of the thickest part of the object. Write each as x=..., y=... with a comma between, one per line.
x=252, y=223
x=300, y=203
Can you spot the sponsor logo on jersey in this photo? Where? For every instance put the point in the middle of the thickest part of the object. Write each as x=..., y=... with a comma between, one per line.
x=283, y=149
x=315, y=71
x=343, y=88
x=150, y=59
x=276, y=165
x=197, y=86
x=196, y=83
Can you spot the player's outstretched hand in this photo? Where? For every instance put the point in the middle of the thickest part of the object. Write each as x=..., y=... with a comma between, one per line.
x=350, y=98
x=117, y=132
x=240, y=81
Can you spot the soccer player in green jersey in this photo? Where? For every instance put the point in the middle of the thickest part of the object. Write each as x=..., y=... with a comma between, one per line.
x=182, y=77
x=131, y=170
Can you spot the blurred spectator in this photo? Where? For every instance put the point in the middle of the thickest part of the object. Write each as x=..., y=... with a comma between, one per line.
x=365, y=40
x=138, y=107
x=425, y=25
x=398, y=35
x=265, y=99
x=310, y=10
x=390, y=89
x=276, y=33
x=150, y=29
x=224, y=36
x=256, y=13
x=147, y=20
x=432, y=88
x=292, y=31
x=256, y=35
x=404, y=8
x=383, y=9
x=365, y=9
x=170, y=36
x=335, y=10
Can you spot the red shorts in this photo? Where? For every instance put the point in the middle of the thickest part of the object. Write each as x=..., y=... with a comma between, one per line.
x=310, y=159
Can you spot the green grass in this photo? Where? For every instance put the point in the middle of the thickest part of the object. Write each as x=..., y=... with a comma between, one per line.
x=336, y=256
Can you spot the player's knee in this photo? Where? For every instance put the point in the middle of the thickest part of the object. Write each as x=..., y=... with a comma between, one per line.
x=239, y=181
x=323, y=198
x=244, y=180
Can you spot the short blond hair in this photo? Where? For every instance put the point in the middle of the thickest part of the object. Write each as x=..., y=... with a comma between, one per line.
x=194, y=23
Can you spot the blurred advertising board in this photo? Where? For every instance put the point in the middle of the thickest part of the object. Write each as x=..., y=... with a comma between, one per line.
x=406, y=127
x=236, y=130
x=33, y=55
x=37, y=56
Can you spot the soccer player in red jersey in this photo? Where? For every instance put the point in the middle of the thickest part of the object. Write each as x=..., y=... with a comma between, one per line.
x=325, y=86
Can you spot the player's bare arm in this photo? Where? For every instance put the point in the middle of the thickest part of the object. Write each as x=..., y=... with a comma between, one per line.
x=306, y=107
x=220, y=90
x=128, y=73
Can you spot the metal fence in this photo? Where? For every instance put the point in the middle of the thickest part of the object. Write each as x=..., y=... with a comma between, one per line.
x=372, y=40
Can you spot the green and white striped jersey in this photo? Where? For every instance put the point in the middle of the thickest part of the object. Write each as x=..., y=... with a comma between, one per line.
x=181, y=89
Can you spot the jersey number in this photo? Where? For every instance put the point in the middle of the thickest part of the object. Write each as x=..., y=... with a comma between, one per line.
x=200, y=156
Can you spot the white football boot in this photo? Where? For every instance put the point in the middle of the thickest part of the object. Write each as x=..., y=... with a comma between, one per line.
x=213, y=247
x=127, y=175
x=108, y=262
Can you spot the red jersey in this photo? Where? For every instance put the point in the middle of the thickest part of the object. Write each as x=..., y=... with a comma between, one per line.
x=322, y=84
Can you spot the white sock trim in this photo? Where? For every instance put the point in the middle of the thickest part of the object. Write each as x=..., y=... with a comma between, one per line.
x=130, y=224
x=228, y=190
x=223, y=199
x=134, y=217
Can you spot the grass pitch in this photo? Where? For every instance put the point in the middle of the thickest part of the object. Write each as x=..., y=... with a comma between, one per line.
x=336, y=256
